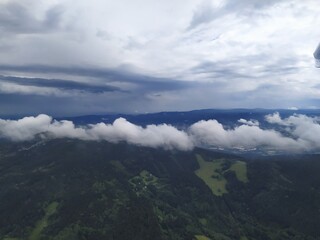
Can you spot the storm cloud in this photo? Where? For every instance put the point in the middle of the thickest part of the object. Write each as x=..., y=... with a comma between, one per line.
x=298, y=133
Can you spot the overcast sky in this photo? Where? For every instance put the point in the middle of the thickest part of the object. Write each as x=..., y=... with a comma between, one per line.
x=63, y=57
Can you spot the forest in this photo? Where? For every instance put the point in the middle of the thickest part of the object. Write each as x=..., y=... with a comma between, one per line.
x=71, y=189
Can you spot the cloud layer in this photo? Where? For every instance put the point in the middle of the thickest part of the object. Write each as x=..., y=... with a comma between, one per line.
x=28, y=128
x=295, y=134
x=127, y=56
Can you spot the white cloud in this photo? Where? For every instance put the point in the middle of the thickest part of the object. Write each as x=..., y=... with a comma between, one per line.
x=293, y=108
x=164, y=136
x=274, y=118
x=25, y=128
x=212, y=133
x=250, y=122
x=301, y=127
x=300, y=133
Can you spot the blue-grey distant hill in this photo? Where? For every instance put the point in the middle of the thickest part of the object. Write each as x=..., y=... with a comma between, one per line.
x=224, y=116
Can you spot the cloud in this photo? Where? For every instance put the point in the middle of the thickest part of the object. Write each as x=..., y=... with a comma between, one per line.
x=102, y=76
x=274, y=118
x=298, y=133
x=316, y=55
x=28, y=128
x=162, y=135
x=17, y=17
x=205, y=12
x=25, y=128
x=293, y=108
x=301, y=127
x=85, y=90
x=198, y=54
x=209, y=10
x=250, y=122
x=213, y=134
x=57, y=84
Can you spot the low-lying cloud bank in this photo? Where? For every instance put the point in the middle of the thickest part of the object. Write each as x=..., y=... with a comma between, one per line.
x=163, y=135
x=212, y=133
x=295, y=133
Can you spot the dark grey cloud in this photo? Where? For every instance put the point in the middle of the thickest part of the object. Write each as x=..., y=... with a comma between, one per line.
x=17, y=17
x=58, y=83
x=136, y=95
x=316, y=55
x=144, y=83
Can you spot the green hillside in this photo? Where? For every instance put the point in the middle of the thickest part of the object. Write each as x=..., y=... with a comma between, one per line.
x=69, y=190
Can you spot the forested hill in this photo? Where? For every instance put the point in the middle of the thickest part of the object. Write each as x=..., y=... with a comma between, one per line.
x=69, y=190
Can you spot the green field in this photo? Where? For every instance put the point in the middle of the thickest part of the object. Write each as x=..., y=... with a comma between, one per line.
x=240, y=169
x=212, y=174
x=43, y=223
x=243, y=238
x=201, y=237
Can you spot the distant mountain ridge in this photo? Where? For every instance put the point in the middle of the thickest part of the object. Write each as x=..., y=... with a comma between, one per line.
x=186, y=118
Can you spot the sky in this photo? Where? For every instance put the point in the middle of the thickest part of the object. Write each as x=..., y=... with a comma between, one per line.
x=67, y=58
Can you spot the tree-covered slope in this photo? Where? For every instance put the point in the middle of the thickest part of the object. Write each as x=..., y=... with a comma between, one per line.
x=67, y=189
